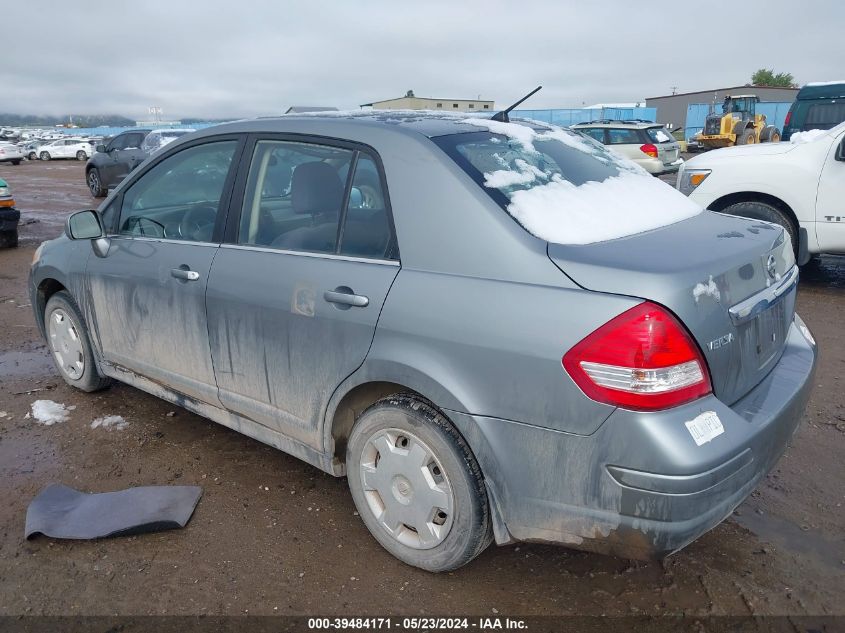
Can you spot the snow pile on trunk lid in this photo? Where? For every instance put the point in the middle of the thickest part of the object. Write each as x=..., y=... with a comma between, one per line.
x=809, y=136
x=556, y=210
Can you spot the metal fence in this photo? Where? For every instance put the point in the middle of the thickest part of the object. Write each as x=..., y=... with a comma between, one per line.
x=775, y=112
x=584, y=115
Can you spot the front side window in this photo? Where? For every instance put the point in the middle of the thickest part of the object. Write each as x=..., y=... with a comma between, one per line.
x=179, y=198
x=133, y=141
x=119, y=142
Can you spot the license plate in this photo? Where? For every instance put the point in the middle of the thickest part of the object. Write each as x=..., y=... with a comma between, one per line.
x=770, y=330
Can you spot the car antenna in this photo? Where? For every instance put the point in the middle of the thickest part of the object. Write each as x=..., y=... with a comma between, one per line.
x=503, y=115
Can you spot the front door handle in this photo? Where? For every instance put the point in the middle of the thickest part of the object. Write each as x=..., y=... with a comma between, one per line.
x=344, y=297
x=184, y=274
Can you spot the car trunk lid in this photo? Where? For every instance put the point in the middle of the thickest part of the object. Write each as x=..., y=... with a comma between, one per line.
x=731, y=281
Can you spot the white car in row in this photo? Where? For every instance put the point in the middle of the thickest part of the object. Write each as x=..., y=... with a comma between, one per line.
x=798, y=184
x=10, y=153
x=80, y=149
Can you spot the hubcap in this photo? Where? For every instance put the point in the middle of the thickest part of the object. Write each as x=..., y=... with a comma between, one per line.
x=93, y=182
x=407, y=489
x=66, y=344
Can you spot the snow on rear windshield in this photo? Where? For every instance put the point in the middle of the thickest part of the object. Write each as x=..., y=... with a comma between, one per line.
x=564, y=187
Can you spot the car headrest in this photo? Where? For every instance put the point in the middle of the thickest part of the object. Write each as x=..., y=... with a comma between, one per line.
x=316, y=188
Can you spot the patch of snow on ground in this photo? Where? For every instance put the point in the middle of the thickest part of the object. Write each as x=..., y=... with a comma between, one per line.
x=710, y=289
x=110, y=422
x=620, y=206
x=806, y=137
x=49, y=413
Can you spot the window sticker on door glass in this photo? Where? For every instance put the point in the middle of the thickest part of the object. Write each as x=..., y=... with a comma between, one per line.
x=705, y=427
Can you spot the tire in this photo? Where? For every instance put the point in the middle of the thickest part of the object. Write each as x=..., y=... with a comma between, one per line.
x=95, y=184
x=44, y=156
x=16, y=162
x=747, y=138
x=8, y=239
x=756, y=210
x=32, y=156
x=62, y=316
x=770, y=134
x=448, y=475
x=81, y=155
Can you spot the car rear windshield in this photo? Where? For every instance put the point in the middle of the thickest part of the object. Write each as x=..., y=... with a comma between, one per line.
x=823, y=116
x=564, y=187
x=659, y=135
x=504, y=165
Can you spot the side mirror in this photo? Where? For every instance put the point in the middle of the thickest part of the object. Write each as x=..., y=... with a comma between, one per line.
x=100, y=148
x=84, y=225
x=840, y=151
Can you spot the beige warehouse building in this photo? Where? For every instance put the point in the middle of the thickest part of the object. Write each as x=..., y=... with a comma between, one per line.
x=411, y=102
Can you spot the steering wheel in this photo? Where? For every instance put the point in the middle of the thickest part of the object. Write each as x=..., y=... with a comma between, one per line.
x=195, y=219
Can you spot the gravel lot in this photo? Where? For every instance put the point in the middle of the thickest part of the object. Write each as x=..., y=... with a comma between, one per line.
x=272, y=535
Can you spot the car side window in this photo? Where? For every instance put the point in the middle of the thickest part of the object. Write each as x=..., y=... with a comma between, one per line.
x=596, y=132
x=623, y=136
x=118, y=142
x=179, y=197
x=294, y=196
x=366, y=229
x=133, y=141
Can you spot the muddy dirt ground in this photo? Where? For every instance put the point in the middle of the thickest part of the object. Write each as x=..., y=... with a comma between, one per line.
x=272, y=535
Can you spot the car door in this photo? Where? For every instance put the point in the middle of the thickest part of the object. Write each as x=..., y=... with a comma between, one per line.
x=148, y=292
x=830, y=201
x=292, y=300
x=108, y=162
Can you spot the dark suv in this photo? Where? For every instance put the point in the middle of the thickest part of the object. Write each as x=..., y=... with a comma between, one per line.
x=113, y=161
x=818, y=106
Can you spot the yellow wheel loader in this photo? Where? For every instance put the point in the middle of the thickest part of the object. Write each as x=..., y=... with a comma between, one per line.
x=739, y=124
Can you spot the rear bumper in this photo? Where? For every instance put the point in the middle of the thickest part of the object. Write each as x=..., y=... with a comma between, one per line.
x=656, y=167
x=640, y=487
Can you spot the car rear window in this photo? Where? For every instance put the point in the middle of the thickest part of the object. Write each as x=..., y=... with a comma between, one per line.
x=659, y=135
x=564, y=187
x=823, y=116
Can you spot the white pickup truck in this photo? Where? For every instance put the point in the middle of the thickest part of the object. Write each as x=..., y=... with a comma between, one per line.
x=798, y=184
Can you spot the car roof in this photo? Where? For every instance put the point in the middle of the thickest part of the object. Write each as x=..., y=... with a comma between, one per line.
x=627, y=123
x=425, y=122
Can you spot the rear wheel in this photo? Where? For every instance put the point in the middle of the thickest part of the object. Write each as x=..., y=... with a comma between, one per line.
x=16, y=162
x=81, y=155
x=756, y=210
x=32, y=156
x=44, y=156
x=747, y=138
x=67, y=336
x=95, y=185
x=416, y=485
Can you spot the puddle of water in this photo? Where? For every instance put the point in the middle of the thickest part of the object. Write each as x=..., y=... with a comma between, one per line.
x=16, y=364
x=788, y=536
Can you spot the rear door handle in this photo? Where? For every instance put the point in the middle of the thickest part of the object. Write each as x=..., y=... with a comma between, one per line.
x=345, y=298
x=185, y=275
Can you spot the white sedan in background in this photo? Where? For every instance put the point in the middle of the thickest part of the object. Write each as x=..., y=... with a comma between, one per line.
x=10, y=153
x=80, y=149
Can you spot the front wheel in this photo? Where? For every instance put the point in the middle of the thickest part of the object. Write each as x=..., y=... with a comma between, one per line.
x=16, y=162
x=32, y=156
x=81, y=155
x=757, y=210
x=95, y=185
x=67, y=336
x=44, y=156
x=417, y=486
x=747, y=138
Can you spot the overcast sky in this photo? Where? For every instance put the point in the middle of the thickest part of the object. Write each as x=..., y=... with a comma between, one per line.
x=214, y=58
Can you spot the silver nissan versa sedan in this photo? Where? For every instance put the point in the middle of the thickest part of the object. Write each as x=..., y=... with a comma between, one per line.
x=493, y=329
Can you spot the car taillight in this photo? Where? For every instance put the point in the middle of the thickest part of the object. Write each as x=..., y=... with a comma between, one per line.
x=787, y=119
x=642, y=359
x=649, y=149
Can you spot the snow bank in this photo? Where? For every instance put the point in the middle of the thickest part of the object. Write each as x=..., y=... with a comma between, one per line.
x=622, y=205
x=110, y=422
x=807, y=137
x=49, y=412
x=825, y=83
